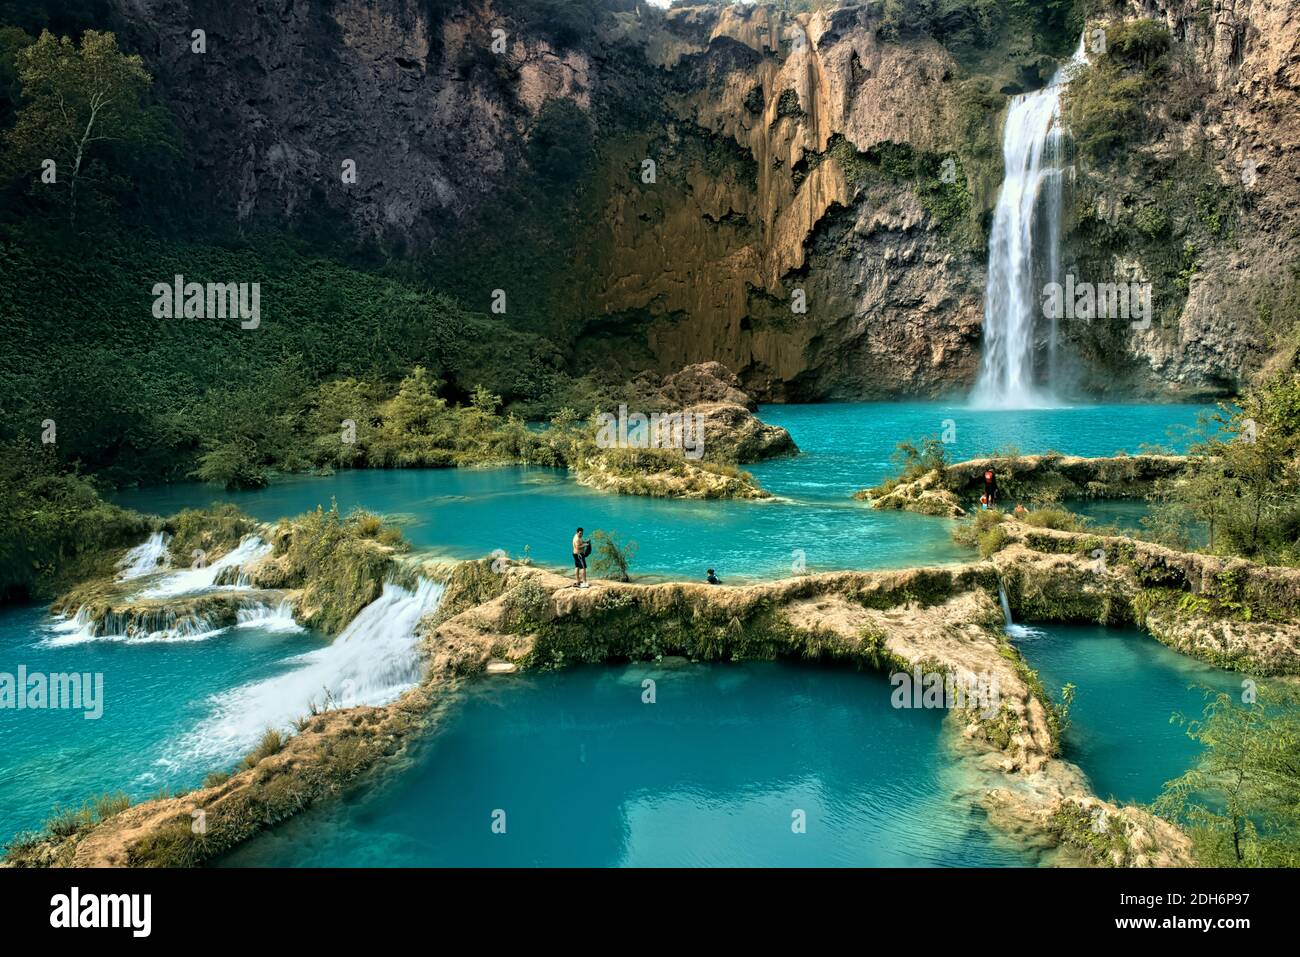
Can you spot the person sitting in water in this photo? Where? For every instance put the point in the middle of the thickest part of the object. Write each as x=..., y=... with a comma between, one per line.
x=712, y=579
x=1021, y=511
x=581, y=549
x=984, y=502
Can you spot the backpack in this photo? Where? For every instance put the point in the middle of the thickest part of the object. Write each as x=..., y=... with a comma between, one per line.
x=586, y=549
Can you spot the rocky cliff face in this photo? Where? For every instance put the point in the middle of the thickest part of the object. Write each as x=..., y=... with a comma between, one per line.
x=286, y=92
x=1204, y=202
x=808, y=284
x=798, y=223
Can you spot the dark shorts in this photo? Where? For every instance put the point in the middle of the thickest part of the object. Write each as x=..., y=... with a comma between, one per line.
x=579, y=561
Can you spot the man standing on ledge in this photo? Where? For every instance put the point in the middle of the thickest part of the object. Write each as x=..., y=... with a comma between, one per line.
x=581, y=550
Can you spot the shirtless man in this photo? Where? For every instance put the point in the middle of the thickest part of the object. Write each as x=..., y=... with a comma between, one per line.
x=579, y=559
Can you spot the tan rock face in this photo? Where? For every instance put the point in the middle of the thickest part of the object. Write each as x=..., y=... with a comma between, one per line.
x=754, y=246
x=806, y=286
x=707, y=260
x=1237, y=315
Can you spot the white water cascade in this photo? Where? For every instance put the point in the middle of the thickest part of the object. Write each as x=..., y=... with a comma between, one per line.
x=1024, y=249
x=161, y=625
x=1010, y=627
x=256, y=614
x=218, y=574
x=371, y=662
x=146, y=558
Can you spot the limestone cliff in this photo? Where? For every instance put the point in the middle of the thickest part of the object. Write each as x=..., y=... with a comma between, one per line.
x=802, y=197
x=1199, y=196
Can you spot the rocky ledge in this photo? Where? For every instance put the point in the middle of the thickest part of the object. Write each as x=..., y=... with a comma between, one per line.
x=1230, y=612
x=703, y=428
x=940, y=621
x=951, y=491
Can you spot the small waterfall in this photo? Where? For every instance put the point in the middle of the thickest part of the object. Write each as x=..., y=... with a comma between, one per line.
x=1011, y=628
x=261, y=615
x=371, y=662
x=135, y=627
x=1006, y=606
x=1024, y=248
x=146, y=558
x=226, y=571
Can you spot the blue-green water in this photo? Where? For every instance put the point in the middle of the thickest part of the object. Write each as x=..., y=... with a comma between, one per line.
x=769, y=735
x=468, y=513
x=589, y=775
x=712, y=773
x=153, y=693
x=1129, y=686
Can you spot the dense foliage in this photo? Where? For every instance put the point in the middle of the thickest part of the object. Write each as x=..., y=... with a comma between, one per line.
x=1241, y=803
x=54, y=527
x=1242, y=486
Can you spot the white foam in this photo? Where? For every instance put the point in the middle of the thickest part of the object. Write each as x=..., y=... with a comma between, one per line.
x=148, y=557
x=191, y=580
x=82, y=628
x=372, y=662
x=261, y=615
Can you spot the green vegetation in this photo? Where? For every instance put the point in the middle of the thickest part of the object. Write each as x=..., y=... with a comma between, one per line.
x=970, y=28
x=787, y=104
x=272, y=743
x=1241, y=803
x=212, y=531
x=938, y=181
x=260, y=795
x=984, y=532
x=75, y=99
x=1242, y=483
x=612, y=555
x=144, y=399
x=67, y=822
x=1105, y=104
x=138, y=398
x=339, y=561
x=1142, y=90
x=914, y=459
x=54, y=528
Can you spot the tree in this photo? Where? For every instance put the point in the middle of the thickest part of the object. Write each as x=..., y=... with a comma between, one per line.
x=12, y=41
x=1195, y=496
x=1242, y=481
x=1241, y=803
x=915, y=459
x=612, y=556
x=75, y=100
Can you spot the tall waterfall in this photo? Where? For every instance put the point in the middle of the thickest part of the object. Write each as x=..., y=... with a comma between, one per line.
x=1024, y=248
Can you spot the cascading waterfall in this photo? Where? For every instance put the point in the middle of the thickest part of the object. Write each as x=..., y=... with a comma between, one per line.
x=139, y=628
x=256, y=614
x=227, y=571
x=371, y=662
x=1024, y=248
x=146, y=558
